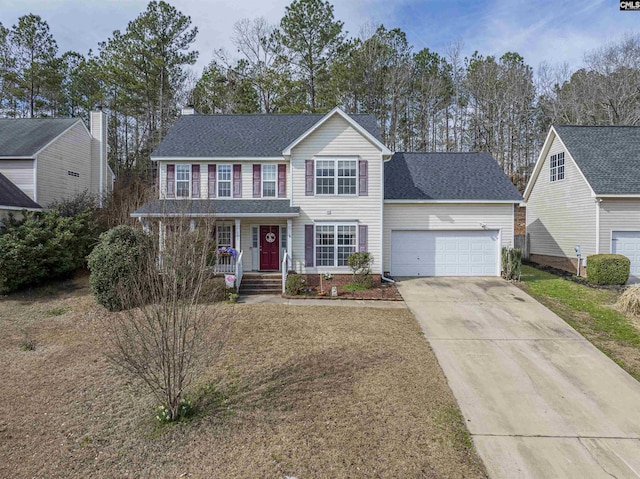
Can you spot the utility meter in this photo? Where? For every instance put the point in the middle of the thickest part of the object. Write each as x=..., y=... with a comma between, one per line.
x=578, y=251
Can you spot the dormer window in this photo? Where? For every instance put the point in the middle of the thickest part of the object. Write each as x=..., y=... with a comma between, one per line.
x=556, y=167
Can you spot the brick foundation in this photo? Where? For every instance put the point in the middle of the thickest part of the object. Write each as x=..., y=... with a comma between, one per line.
x=560, y=262
x=339, y=280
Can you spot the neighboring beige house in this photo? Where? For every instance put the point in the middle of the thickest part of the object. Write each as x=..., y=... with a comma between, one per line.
x=312, y=189
x=54, y=159
x=585, y=191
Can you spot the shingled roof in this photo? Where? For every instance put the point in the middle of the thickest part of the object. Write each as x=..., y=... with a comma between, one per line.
x=447, y=176
x=236, y=136
x=24, y=137
x=220, y=208
x=608, y=156
x=14, y=197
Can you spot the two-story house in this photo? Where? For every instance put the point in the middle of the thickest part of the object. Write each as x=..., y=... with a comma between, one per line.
x=317, y=188
x=43, y=160
x=584, y=197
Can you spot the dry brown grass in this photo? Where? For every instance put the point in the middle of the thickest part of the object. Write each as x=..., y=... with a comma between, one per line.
x=311, y=392
x=629, y=301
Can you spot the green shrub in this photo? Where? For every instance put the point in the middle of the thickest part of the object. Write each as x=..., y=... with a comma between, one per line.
x=511, y=263
x=44, y=246
x=114, y=262
x=295, y=284
x=360, y=263
x=608, y=269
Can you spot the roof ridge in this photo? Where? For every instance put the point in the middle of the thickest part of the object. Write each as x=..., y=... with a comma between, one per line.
x=596, y=126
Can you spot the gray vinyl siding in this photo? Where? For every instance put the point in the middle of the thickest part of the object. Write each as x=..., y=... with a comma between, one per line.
x=247, y=176
x=70, y=152
x=336, y=138
x=446, y=216
x=561, y=214
x=21, y=174
x=617, y=215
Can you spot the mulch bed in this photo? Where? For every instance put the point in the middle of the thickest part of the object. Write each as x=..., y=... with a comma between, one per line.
x=386, y=292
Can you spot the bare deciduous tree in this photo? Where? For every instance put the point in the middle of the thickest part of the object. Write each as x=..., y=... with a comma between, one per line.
x=167, y=331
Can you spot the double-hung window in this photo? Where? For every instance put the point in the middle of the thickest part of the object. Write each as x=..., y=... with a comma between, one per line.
x=224, y=181
x=223, y=235
x=269, y=180
x=556, y=167
x=335, y=176
x=183, y=181
x=334, y=244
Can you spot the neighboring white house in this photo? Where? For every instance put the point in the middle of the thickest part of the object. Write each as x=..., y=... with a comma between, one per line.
x=320, y=187
x=53, y=159
x=585, y=191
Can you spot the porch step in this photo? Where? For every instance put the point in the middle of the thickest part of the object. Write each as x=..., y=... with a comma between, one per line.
x=261, y=283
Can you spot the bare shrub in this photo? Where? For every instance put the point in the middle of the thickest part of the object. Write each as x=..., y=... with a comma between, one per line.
x=129, y=193
x=167, y=332
x=629, y=301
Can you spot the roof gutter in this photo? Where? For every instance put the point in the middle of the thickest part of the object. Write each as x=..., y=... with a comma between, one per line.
x=421, y=201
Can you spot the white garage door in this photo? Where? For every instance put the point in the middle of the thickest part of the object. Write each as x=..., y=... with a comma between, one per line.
x=628, y=244
x=444, y=253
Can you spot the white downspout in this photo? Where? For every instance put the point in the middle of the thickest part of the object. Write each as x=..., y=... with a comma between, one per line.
x=382, y=276
x=598, y=201
x=102, y=146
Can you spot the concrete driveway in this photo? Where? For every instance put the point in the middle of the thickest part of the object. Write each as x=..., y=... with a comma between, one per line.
x=539, y=400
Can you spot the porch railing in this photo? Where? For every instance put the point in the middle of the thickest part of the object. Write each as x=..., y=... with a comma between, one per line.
x=285, y=270
x=239, y=272
x=225, y=264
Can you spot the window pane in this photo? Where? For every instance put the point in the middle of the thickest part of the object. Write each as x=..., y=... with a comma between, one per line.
x=346, y=243
x=268, y=188
x=325, y=249
x=182, y=189
x=283, y=237
x=182, y=172
x=325, y=181
x=223, y=233
x=269, y=172
x=224, y=172
x=346, y=186
x=224, y=188
x=347, y=168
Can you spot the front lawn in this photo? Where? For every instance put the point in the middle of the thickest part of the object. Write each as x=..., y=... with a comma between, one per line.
x=301, y=391
x=591, y=312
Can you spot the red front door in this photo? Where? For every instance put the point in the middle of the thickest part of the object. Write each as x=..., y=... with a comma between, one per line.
x=269, y=247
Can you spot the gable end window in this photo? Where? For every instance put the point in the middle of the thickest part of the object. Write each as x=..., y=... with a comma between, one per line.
x=183, y=181
x=336, y=177
x=556, y=167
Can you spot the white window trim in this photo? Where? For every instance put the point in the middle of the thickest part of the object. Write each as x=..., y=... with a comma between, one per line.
x=553, y=170
x=262, y=195
x=335, y=159
x=230, y=181
x=182, y=181
x=335, y=246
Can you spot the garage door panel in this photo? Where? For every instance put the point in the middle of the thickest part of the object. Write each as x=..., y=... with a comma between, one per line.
x=627, y=243
x=444, y=253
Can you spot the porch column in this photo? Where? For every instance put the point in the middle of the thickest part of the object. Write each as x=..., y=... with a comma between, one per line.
x=289, y=241
x=238, y=245
x=160, y=236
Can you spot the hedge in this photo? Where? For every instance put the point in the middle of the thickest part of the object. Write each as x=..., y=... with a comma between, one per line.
x=608, y=269
x=44, y=246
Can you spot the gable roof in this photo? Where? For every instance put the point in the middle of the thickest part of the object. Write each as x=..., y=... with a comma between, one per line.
x=13, y=197
x=24, y=137
x=607, y=156
x=447, y=176
x=242, y=136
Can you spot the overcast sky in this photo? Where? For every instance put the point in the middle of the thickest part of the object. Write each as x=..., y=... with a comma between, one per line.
x=541, y=30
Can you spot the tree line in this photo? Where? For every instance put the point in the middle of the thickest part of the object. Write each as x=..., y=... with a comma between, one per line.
x=307, y=63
